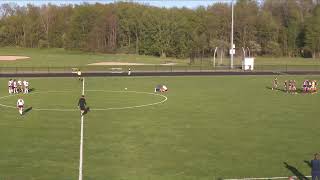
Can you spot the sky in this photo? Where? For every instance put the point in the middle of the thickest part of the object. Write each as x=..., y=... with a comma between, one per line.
x=159, y=3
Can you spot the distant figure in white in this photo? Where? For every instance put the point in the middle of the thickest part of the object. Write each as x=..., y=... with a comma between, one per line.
x=15, y=87
x=26, y=87
x=20, y=104
x=19, y=86
x=10, y=86
x=79, y=73
x=129, y=72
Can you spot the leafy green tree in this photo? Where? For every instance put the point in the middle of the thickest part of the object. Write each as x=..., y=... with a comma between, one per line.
x=312, y=33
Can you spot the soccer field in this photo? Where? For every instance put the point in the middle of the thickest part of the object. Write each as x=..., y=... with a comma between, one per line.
x=202, y=128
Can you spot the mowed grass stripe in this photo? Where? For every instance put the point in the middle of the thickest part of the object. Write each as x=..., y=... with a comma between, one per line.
x=210, y=127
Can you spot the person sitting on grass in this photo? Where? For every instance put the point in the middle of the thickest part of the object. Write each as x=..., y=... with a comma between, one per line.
x=160, y=88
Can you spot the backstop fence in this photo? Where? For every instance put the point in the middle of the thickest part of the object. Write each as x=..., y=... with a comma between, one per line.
x=158, y=68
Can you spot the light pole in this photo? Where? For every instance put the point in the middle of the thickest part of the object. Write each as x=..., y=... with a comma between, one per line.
x=214, y=57
x=232, y=51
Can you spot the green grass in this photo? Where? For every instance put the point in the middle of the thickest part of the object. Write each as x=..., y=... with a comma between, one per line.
x=286, y=61
x=261, y=61
x=210, y=127
x=62, y=58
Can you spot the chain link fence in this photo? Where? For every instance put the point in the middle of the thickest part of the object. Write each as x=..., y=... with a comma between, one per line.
x=158, y=68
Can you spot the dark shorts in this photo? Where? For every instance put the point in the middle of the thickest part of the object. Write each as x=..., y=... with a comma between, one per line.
x=315, y=175
x=82, y=108
x=20, y=106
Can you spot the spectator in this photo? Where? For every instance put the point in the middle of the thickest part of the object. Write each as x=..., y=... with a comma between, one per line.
x=315, y=167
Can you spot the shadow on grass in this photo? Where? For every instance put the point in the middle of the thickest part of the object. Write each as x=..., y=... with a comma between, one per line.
x=86, y=111
x=299, y=90
x=277, y=89
x=27, y=110
x=308, y=163
x=32, y=90
x=295, y=171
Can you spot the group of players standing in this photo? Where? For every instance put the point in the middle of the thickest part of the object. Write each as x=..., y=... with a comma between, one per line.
x=18, y=86
x=308, y=86
x=290, y=86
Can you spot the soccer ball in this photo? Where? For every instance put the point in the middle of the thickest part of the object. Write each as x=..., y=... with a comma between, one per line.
x=125, y=88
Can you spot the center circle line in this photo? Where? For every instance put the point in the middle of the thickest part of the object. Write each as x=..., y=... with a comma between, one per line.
x=165, y=98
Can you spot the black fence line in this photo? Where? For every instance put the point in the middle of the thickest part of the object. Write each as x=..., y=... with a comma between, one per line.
x=156, y=68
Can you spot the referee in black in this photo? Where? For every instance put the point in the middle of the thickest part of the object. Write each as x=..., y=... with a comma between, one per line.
x=82, y=105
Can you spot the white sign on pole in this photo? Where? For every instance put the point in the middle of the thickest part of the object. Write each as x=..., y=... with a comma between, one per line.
x=232, y=51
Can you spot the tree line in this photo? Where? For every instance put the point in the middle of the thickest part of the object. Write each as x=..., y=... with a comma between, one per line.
x=269, y=28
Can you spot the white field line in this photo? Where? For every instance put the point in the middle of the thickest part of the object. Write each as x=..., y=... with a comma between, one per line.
x=81, y=140
x=265, y=178
x=93, y=109
x=130, y=107
x=81, y=150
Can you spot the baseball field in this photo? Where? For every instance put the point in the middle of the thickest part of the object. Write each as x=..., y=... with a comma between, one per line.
x=205, y=127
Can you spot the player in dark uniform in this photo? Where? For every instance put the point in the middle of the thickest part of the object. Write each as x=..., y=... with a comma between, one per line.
x=82, y=105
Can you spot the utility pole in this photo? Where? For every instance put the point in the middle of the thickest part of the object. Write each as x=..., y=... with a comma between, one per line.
x=232, y=49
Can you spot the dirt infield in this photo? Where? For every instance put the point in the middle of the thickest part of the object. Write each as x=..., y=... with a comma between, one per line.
x=126, y=64
x=12, y=58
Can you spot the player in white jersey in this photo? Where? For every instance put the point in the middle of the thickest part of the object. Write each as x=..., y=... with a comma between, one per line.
x=26, y=87
x=10, y=86
x=19, y=86
x=20, y=104
x=15, y=86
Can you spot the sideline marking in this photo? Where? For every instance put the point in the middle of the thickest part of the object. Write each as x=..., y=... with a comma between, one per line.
x=165, y=98
x=265, y=178
x=81, y=140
